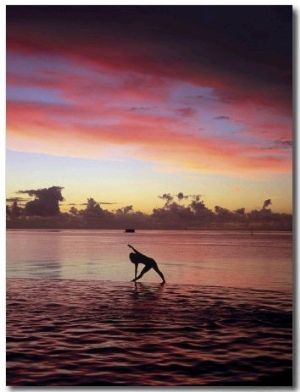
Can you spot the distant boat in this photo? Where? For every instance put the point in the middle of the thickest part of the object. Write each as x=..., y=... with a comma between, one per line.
x=129, y=231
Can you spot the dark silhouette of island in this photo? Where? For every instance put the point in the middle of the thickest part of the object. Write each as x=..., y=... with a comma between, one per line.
x=139, y=258
x=179, y=212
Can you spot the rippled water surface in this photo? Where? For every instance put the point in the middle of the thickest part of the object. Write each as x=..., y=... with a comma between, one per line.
x=224, y=317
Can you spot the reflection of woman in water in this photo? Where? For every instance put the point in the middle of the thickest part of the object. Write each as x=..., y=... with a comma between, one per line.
x=138, y=258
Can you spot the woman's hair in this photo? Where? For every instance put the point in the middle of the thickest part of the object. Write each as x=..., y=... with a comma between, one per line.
x=133, y=257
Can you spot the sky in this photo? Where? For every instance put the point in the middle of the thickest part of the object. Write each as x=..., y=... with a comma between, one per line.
x=126, y=103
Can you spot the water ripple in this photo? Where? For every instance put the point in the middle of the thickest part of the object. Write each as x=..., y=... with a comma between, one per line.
x=64, y=333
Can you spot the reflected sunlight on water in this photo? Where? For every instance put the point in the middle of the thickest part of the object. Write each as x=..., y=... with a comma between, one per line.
x=95, y=333
x=224, y=317
x=213, y=258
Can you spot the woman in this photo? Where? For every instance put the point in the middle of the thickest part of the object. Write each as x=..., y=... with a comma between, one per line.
x=138, y=258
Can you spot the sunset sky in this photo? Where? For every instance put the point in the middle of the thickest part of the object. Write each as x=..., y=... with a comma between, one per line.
x=126, y=103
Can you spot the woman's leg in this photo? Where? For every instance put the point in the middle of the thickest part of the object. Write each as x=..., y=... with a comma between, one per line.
x=156, y=269
x=144, y=270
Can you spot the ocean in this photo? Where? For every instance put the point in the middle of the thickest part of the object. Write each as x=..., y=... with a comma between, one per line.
x=224, y=316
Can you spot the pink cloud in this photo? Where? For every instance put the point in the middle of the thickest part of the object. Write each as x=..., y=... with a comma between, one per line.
x=103, y=48
x=139, y=135
x=118, y=93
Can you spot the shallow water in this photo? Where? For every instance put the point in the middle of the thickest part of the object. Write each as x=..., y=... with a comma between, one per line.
x=213, y=258
x=223, y=318
x=95, y=333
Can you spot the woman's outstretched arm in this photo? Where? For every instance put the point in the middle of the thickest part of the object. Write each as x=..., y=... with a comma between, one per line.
x=136, y=251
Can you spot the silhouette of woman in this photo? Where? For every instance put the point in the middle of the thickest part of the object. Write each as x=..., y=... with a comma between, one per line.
x=138, y=258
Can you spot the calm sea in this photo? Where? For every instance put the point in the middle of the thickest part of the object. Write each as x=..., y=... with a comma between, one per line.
x=223, y=318
x=210, y=258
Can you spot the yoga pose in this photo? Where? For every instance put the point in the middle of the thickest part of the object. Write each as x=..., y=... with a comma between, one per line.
x=149, y=263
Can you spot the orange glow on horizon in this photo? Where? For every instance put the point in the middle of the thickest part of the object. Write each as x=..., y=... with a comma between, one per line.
x=185, y=106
